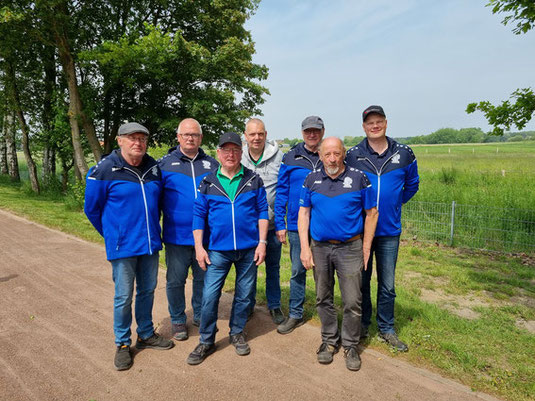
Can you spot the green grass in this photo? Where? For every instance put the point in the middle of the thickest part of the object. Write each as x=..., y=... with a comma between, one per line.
x=488, y=351
x=499, y=175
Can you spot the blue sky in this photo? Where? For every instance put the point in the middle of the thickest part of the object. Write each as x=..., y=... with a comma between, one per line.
x=422, y=60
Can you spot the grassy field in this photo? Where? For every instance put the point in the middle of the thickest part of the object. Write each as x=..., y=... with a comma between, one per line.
x=465, y=314
x=499, y=175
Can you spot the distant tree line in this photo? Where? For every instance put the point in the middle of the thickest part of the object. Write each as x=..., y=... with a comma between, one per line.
x=71, y=71
x=443, y=135
x=466, y=135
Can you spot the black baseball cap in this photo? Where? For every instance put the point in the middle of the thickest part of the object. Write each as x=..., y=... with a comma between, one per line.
x=371, y=110
x=230, y=137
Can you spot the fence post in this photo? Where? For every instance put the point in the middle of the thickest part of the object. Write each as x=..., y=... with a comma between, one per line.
x=452, y=222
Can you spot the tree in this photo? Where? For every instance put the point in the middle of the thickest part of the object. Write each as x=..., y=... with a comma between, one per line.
x=520, y=112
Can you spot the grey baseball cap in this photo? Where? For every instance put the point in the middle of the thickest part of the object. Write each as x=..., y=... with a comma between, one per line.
x=131, y=128
x=312, y=122
x=230, y=137
x=373, y=110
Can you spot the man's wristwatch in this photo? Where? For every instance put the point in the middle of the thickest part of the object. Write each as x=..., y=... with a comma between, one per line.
x=262, y=241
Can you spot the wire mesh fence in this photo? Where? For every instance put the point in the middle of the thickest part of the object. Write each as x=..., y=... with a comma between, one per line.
x=480, y=227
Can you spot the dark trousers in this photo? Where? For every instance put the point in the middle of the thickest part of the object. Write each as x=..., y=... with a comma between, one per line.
x=347, y=260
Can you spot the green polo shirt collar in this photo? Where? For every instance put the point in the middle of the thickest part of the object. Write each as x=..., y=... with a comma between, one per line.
x=230, y=185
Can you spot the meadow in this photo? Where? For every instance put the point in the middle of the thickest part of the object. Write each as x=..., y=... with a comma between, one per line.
x=468, y=315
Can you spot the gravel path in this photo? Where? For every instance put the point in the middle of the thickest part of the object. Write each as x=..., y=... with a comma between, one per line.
x=56, y=341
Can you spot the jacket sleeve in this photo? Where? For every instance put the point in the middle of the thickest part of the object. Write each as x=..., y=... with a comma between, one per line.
x=200, y=210
x=96, y=193
x=412, y=182
x=281, y=198
x=261, y=203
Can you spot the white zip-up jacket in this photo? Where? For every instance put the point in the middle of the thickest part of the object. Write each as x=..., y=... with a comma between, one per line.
x=268, y=170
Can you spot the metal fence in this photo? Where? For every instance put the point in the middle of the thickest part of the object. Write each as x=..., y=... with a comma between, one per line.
x=480, y=227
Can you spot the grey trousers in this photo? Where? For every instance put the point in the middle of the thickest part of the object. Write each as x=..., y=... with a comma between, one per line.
x=346, y=260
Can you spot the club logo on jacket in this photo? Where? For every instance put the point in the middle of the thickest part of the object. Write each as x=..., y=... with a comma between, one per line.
x=348, y=181
x=207, y=165
x=395, y=159
x=155, y=170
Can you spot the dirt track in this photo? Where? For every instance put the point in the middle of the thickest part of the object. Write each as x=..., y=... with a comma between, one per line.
x=56, y=341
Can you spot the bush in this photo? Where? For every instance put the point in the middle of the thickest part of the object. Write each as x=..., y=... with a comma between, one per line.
x=74, y=197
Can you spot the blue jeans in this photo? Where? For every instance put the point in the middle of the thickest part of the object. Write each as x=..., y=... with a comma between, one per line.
x=298, y=278
x=386, y=255
x=144, y=270
x=178, y=259
x=273, y=286
x=214, y=279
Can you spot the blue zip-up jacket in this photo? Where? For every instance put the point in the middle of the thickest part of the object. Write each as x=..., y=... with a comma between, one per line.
x=395, y=180
x=180, y=178
x=296, y=165
x=123, y=206
x=337, y=206
x=233, y=224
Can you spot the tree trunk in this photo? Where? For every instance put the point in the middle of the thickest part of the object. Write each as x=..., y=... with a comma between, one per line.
x=3, y=153
x=78, y=174
x=65, y=167
x=32, y=168
x=11, y=146
x=49, y=163
x=49, y=151
x=75, y=101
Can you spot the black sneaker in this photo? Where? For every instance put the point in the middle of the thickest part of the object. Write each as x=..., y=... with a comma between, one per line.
x=155, y=341
x=180, y=331
x=352, y=358
x=238, y=340
x=393, y=340
x=325, y=353
x=123, y=358
x=289, y=325
x=200, y=353
x=276, y=315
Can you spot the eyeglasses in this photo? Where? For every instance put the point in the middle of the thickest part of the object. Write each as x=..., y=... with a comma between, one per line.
x=228, y=151
x=311, y=132
x=190, y=135
x=140, y=139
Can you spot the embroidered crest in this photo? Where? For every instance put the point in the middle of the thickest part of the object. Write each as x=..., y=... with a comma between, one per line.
x=207, y=164
x=348, y=181
x=155, y=170
x=395, y=159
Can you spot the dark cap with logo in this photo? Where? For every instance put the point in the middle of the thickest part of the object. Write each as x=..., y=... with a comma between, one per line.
x=132, y=128
x=230, y=137
x=373, y=110
x=312, y=122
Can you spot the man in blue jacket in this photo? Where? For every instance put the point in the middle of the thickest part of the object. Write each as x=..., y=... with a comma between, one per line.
x=296, y=164
x=121, y=201
x=183, y=168
x=392, y=169
x=232, y=203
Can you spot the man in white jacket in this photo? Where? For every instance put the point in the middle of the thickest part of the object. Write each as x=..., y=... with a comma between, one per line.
x=264, y=157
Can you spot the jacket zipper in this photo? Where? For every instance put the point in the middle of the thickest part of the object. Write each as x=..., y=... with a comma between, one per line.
x=193, y=176
x=379, y=174
x=144, y=202
x=232, y=208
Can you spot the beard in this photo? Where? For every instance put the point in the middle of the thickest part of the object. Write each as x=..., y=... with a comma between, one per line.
x=332, y=170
